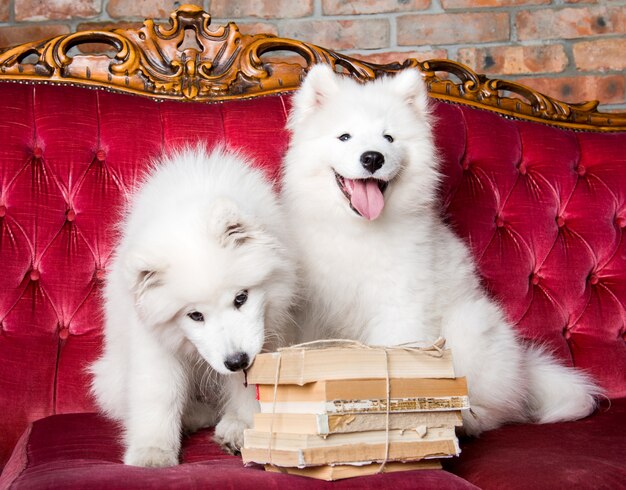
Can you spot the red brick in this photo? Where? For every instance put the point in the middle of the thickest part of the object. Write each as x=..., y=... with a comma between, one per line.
x=156, y=9
x=56, y=9
x=340, y=34
x=515, y=60
x=608, y=89
x=257, y=28
x=600, y=55
x=453, y=28
x=10, y=36
x=470, y=4
x=265, y=9
x=570, y=23
x=4, y=11
x=105, y=26
x=350, y=7
x=400, y=56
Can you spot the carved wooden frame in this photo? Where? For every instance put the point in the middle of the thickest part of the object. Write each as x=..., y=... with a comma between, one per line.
x=157, y=61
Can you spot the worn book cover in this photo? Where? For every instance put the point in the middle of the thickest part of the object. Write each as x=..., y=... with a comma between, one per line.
x=260, y=439
x=352, y=453
x=342, y=471
x=300, y=366
x=324, y=424
x=363, y=389
x=378, y=405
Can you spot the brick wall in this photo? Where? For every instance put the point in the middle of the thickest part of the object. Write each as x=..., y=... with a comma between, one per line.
x=572, y=49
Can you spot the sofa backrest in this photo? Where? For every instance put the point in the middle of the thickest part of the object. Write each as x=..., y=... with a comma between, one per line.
x=542, y=208
x=69, y=157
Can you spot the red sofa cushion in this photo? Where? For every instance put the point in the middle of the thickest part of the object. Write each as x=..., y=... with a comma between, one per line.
x=82, y=451
x=587, y=454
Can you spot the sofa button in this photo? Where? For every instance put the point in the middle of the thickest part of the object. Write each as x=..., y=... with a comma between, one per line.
x=37, y=152
x=593, y=279
x=71, y=215
x=560, y=222
x=64, y=333
x=566, y=333
x=34, y=275
x=100, y=155
x=534, y=279
x=522, y=168
x=499, y=222
x=3, y=211
x=621, y=222
x=99, y=275
x=581, y=170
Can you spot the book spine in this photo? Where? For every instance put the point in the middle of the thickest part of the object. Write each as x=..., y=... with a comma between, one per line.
x=430, y=404
x=350, y=454
x=397, y=405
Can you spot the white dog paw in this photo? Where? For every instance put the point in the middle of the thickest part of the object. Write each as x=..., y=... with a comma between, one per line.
x=150, y=457
x=229, y=434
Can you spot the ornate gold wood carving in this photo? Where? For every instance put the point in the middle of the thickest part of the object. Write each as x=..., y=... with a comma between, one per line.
x=187, y=60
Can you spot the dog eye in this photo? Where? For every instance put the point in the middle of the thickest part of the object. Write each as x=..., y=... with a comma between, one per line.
x=240, y=298
x=388, y=137
x=344, y=137
x=196, y=316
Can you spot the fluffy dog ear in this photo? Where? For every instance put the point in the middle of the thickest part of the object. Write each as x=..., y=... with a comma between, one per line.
x=228, y=224
x=410, y=85
x=319, y=85
x=143, y=273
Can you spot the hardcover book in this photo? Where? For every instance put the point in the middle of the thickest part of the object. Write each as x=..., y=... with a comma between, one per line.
x=300, y=366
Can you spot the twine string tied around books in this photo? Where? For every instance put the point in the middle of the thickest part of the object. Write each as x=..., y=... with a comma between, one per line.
x=434, y=350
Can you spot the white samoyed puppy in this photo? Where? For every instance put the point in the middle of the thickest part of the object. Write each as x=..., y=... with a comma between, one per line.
x=201, y=281
x=378, y=263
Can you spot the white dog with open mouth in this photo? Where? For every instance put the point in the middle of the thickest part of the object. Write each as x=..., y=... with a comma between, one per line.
x=200, y=282
x=380, y=266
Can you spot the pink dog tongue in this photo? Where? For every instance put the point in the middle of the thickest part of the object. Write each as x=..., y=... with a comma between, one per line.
x=366, y=198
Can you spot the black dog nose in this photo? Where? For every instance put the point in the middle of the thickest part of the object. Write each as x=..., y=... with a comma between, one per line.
x=372, y=161
x=237, y=361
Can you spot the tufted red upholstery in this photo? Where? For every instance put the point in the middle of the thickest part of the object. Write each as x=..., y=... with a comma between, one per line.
x=68, y=157
x=543, y=210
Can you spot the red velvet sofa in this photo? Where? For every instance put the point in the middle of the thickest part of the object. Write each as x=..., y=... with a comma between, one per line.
x=536, y=187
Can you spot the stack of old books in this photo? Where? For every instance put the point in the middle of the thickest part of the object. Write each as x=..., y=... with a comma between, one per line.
x=340, y=411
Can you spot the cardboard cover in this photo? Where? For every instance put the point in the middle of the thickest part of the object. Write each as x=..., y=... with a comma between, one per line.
x=324, y=424
x=362, y=389
x=301, y=366
x=421, y=404
x=288, y=441
x=342, y=471
x=398, y=451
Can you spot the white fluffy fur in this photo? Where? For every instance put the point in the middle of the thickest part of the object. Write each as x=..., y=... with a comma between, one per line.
x=404, y=276
x=200, y=229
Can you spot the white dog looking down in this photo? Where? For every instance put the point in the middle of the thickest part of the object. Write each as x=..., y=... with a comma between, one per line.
x=201, y=281
x=378, y=263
